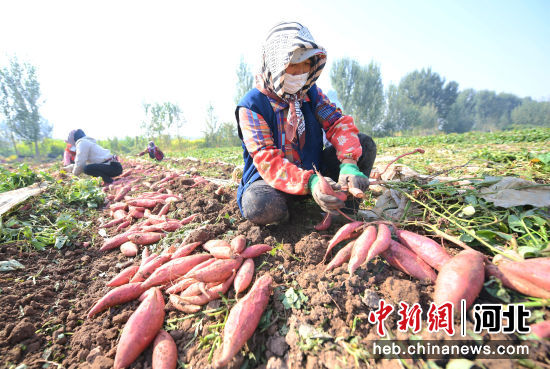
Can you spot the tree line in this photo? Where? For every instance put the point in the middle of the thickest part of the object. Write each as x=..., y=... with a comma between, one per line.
x=422, y=103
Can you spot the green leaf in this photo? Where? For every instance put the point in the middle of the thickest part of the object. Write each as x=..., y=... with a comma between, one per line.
x=470, y=199
x=465, y=237
x=529, y=251
x=515, y=224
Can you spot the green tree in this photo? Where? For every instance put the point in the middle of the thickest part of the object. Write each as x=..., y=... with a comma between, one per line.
x=245, y=80
x=461, y=117
x=360, y=91
x=212, y=126
x=20, y=100
x=400, y=114
x=425, y=87
x=161, y=117
x=532, y=113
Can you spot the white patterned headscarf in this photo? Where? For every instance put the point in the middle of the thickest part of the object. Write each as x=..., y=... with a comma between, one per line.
x=280, y=46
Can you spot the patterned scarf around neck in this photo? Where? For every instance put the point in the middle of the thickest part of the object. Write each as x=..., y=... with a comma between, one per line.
x=277, y=51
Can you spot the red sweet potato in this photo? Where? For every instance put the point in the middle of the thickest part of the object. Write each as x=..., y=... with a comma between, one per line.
x=122, y=192
x=460, y=278
x=361, y=248
x=217, y=271
x=243, y=320
x=429, y=250
x=180, y=285
x=244, y=276
x=189, y=219
x=137, y=214
x=124, y=276
x=140, y=330
x=342, y=234
x=118, y=295
x=129, y=249
x=517, y=283
x=215, y=243
x=408, y=262
x=255, y=250
x=119, y=214
x=222, y=252
x=165, y=352
x=113, y=223
x=341, y=256
x=146, y=270
x=185, y=250
x=542, y=329
x=118, y=205
x=123, y=225
x=148, y=292
x=325, y=223
x=535, y=273
x=212, y=293
x=145, y=203
x=174, y=269
x=164, y=210
x=116, y=241
x=145, y=238
x=238, y=244
x=381, y=244
x=182, y=306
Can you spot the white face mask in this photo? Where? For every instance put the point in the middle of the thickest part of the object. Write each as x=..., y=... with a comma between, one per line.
x=294, y=83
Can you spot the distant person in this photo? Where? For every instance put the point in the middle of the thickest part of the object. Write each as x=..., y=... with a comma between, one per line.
x=154, y=152
x=69, y=154
x=93, y=159
x=281, y=123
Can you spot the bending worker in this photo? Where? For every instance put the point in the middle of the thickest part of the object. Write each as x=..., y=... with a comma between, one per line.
x=93, y=159
x=281, y=124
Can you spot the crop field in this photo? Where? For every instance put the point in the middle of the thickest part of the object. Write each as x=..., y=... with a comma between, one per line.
x=62, y=248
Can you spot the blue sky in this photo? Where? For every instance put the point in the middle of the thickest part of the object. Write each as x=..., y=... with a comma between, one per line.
x=99, y=61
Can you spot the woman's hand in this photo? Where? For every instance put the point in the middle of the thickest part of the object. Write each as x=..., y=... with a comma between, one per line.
x=351, y=176
x=326, y=202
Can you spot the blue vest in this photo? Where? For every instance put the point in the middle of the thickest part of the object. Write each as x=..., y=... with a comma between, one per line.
x=310, y=154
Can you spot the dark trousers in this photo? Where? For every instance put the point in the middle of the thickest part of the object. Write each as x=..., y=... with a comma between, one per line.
x=263, y=204
x=106, y=171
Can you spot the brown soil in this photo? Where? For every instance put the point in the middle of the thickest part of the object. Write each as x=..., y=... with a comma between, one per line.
x=43, y=307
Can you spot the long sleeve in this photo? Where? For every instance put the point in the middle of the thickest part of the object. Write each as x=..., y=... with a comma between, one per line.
x=340, y=129
x=270, y=162
x=82, y=153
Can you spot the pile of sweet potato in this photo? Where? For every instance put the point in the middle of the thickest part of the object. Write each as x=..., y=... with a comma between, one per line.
x=458, y=277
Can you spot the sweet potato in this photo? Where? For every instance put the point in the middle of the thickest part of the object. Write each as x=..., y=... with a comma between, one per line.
x=542, y=329
x=325, y=223
x=140, y=330
x=408, y=262
x=244, y=276
x=460, y=278
x=164, y=210
x=144, y=295
x=218, y=270
x=361, y=248
x=222, y=252
x=215, y=243
x=189, y=219
x=129, y=249
x=118, y=205
x=428, y=250
x=136, y=214
x=145, y=203
x=535, y=273
x=119, y=214
x=341, y=256
x=517, y=283
x=146, y=270
x=116, y=241
x=381, y=244
x=165, y=352
x=123, y=277
x=182, y=306
x=342, y=234
x=255, y=250
x=174, y=269
x=243, y=320
x=211, y=293
x=122, y=192
x=238, y=243
x=145, y=238
x=118, y=295
x=168, y=226
x=185, y=249
x=180, y=285
x=123, y=225
x=113, y=223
